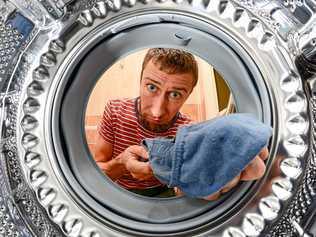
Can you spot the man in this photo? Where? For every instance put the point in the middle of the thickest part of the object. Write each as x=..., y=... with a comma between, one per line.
x=167, y=79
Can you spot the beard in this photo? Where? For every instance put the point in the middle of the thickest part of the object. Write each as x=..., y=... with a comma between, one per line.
x=157, y=128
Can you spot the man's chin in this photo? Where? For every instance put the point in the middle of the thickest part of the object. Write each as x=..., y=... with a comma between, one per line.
x=155, y=127
x=158, y=127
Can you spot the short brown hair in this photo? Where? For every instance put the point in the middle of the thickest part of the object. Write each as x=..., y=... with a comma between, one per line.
x=172, y=61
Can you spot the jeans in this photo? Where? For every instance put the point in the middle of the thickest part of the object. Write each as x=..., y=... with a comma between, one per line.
x=22, y=24
x=205, y=156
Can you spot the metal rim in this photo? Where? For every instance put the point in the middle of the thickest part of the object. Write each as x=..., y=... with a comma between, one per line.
x=69, y=121
x=289, y=86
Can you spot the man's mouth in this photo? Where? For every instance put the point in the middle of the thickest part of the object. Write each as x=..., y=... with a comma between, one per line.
x=154, y=124
x=154, y=120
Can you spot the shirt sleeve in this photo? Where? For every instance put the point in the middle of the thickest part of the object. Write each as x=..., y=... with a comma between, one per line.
x=105, y=127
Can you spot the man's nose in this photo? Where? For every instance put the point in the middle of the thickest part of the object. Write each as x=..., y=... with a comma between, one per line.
x=158, y=107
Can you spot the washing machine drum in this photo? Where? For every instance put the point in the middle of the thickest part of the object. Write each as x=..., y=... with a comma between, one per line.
x=52, y=55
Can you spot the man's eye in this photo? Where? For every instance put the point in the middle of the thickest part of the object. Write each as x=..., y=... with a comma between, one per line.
x=175, y=95
x=151, y=88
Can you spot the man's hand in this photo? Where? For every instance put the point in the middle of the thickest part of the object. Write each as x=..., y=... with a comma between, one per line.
x=135, y=160
x=254, y=170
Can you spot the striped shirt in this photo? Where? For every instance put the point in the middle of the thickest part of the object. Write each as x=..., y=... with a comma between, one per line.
x=120, y=127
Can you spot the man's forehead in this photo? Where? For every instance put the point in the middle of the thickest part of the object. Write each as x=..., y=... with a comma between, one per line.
x=153, y=72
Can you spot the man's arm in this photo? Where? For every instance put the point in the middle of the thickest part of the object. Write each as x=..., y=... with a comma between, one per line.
x=114, y=168
x=126, y=161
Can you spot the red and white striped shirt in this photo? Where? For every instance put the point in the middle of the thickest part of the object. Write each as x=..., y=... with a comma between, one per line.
x=120, y=127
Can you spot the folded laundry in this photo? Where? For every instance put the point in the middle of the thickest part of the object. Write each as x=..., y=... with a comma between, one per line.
x=205, y=156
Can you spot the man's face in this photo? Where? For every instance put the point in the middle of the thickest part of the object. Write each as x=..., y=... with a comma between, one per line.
x=161, y=96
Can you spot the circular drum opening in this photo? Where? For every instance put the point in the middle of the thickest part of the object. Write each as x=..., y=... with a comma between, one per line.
x=115, y=107
x=96, y=192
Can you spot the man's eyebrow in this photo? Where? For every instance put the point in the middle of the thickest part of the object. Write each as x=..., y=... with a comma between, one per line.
x=180, y=89
x=157, y=82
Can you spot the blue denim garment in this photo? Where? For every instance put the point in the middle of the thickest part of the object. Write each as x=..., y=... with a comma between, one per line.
x=205, y=156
